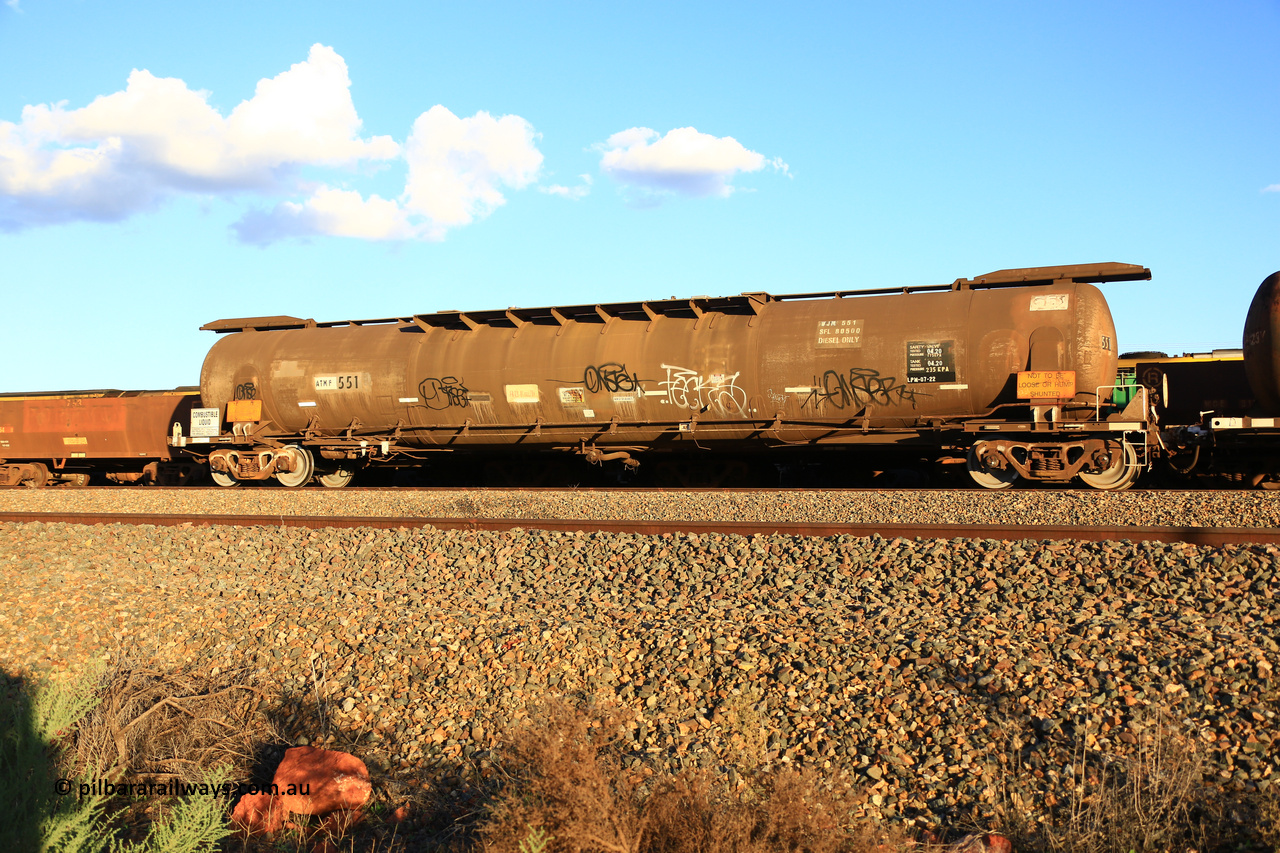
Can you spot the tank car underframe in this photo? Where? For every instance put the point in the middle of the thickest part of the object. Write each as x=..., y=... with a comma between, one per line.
x=1007, y=450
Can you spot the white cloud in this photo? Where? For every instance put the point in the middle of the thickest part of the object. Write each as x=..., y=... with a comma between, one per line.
x=572, y=193
x=131, y=150
x=457, y=169
x=302, y=116
x=456, y=165
x=1274, y=188
x=683, y=161
x=334, y=213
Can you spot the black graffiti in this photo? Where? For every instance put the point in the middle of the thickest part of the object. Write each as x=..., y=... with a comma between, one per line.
x=444, y=392
x=860, y=387
x=246, y=391
x=610, y=377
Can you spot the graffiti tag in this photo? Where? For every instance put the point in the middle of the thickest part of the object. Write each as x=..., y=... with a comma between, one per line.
x=859, y=387
x=611, y=377
x=718, y=393
x=246, y=391
x=444, y=392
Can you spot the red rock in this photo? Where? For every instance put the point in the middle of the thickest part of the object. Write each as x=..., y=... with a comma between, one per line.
x=334, y=780
x=331, y=784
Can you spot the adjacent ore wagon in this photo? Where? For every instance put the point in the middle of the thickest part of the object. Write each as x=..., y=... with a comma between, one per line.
x=1009, y=374
x=67, y=436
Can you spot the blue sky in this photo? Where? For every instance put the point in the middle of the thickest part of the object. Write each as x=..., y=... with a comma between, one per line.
x=163, y=165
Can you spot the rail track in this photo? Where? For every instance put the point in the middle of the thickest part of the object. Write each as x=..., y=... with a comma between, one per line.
x=1141, y=488
x=1207, y=536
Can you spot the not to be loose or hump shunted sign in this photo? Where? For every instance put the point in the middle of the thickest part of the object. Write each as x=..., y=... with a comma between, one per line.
x=1056, y=384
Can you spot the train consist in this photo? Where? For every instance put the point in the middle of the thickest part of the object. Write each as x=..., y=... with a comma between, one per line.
x=1010, y=376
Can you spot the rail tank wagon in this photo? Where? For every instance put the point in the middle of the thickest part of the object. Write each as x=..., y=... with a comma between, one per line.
x=1003, y=369
x=1262, y=345
x=1239, y=439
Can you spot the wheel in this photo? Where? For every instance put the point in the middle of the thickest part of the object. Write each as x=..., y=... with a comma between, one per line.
x=223, y=479
x=989, y=478
x=337, y=478
x=304, y=466
x=1122, y=472
x=39, y=476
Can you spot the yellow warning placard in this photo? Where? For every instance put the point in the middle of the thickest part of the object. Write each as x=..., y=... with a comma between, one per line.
x=1056, y=384
x=240, y=411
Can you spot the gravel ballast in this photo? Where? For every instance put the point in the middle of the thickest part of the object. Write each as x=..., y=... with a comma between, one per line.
x=964, y=506
x=917, y=669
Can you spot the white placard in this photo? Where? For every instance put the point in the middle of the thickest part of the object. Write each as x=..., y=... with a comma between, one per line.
x=522, y=393
x=205, y=422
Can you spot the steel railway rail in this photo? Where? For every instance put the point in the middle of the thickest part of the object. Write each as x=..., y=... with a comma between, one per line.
x=1151, y=488
x=1205, y=536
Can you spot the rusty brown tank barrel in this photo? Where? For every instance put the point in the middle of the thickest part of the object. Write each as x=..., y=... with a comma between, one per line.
x=1262, y=345
x=899, y=355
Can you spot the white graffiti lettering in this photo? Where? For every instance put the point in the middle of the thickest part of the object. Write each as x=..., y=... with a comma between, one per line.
x=717, y=394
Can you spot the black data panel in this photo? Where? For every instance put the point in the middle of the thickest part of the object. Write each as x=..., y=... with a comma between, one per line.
x=931, y=361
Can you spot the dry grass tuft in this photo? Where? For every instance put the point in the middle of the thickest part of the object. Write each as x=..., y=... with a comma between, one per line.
x=566, y=789
x=1156, y=798
x=563, y=777
x=785, y=810
x=1268, y=821
x=166, y=725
